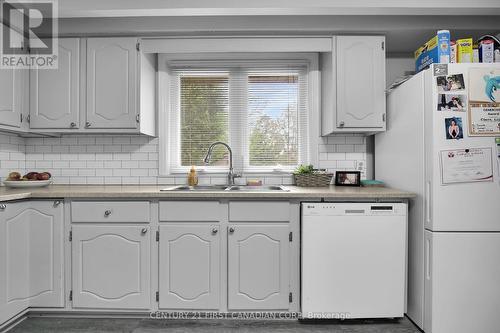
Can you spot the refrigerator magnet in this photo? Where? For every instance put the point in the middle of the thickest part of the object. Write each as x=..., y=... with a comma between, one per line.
x=454, y=129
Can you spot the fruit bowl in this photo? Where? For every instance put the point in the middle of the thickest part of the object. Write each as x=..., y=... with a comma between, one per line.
x=26, y=183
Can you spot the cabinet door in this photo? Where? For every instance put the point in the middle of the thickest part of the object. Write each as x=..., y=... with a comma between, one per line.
x=111, y=267
x=11, y=94
x=258, y=267
x=31, y=237
x=111, y=83
x=360, y=82
x=189, y=267
x=54, y=93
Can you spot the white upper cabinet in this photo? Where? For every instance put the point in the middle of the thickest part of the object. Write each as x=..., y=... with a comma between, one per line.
x=112, y=84
x=54, y=93
x=354, y=85
x=11, y=97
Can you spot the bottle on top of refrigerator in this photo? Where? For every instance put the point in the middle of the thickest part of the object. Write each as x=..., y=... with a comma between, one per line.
x=453, y=52
x=486, y=51
x=464, y=50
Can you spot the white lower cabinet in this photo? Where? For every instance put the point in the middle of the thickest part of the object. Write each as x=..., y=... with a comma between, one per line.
x=111, y=266
x=189, y=259
x=258, y=267
x=31, y=256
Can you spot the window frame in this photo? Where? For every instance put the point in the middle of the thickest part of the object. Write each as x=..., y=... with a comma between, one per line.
x=164, y=104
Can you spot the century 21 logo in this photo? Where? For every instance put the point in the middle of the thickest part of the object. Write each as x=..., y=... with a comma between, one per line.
x=25, y=23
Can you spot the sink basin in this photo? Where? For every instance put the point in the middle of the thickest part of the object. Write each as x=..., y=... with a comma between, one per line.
x=197, y=188
x=267, y=188
x=208, y=188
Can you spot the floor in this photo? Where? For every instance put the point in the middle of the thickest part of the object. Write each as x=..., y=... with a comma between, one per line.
x=56, y=325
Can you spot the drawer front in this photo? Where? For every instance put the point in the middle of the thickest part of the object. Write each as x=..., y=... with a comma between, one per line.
x=202, y=211
x=259, y=211
x=110, y=211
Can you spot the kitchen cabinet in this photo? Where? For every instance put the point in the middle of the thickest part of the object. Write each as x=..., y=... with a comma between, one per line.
x=12, y=90
x=111, y=266
x=55, y=93
x=258, y=267
x=189, y=259
x=353, y=83
x=31, y=256
x=112, y=83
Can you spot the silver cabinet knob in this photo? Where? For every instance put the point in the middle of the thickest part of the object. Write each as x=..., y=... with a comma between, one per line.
x=72, y=125
x=88, y=124
x=3, y=206
x=341, y=124
x=107, y=213
x=144, y=231
x=57, y=203
x=231, y=230
x=214, y=231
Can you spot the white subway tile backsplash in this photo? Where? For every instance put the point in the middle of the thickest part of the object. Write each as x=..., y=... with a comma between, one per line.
x=122, y=159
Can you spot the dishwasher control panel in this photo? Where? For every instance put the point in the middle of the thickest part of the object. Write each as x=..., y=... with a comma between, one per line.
x=353, y=208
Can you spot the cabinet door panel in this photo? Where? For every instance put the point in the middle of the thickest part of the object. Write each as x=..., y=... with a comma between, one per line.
x=189, y=267
x=111, y=82
x=360, y=82
x=46, y=254
x=11, y=92
x=111, y=267
x=31, y=254
x=258, y=267
x=54, y=101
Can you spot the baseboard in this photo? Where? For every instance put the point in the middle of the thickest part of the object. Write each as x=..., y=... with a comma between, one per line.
x=14, y=321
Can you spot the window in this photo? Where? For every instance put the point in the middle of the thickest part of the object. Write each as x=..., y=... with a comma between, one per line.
x=259, y=108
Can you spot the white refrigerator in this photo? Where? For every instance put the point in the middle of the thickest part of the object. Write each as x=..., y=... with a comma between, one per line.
x=454, y=223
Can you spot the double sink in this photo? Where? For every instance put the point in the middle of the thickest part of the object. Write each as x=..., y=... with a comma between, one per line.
x=241, y=188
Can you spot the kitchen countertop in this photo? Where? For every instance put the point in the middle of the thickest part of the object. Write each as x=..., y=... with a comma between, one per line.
x=153, y=191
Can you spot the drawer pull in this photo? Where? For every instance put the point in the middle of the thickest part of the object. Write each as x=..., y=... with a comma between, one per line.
x=214, y=231
x=107, y=213
x=144, y=231
x=3, y=206
x=57, y=203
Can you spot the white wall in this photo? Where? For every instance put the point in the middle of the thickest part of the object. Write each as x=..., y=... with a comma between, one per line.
x=12, y=156
x=396, y=67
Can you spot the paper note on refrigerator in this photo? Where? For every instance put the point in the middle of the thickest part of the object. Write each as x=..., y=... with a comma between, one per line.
x=484, y=101
x=466, y=165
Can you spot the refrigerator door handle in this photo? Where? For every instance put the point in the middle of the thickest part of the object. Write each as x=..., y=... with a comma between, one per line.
x=428, y=259
x=428, y=202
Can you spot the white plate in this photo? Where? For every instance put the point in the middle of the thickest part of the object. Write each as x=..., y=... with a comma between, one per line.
x=26, y=183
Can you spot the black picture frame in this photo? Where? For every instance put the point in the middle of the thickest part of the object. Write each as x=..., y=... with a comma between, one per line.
x=344, y=178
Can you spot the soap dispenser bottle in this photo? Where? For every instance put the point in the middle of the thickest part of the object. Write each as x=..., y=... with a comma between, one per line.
x=192, y=177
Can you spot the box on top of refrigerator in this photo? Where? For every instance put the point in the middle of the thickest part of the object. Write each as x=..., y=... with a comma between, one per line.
x=436, y=50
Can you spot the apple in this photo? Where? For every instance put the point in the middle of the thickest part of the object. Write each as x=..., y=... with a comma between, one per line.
x=43, y=176
x=31, y=175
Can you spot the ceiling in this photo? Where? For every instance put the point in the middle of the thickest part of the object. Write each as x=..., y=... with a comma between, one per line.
x=134, y=8
x=406, y=24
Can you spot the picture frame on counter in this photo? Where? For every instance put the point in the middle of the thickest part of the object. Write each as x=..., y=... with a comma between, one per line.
x=348, y=178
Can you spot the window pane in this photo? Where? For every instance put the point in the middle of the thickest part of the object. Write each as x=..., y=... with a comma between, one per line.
x=273, y=119
x=204, y=117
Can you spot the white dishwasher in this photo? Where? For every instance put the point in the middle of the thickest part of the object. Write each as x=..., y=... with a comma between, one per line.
x=353, y=260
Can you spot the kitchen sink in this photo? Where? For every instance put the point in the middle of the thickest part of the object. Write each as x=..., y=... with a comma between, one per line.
x=242, y=188
x=257, y=188
x=197, y=188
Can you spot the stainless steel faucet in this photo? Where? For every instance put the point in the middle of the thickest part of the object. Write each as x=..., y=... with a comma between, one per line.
x=231, y=175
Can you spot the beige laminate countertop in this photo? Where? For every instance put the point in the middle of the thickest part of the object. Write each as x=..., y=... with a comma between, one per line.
x=153, y=191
